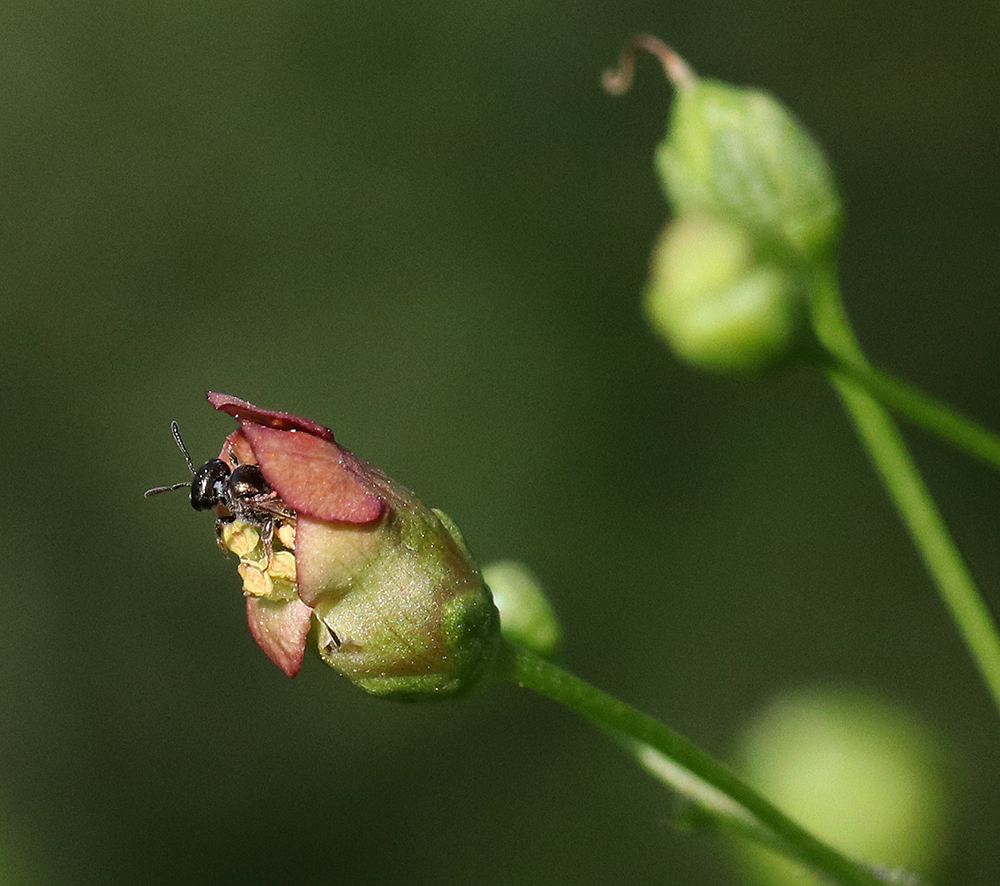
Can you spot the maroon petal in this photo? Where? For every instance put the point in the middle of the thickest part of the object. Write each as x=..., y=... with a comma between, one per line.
x=280, y=421
x=314, y=476
x=236, y=450
x=280, y=629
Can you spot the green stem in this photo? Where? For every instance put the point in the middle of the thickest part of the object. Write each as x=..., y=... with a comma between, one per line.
x=921, y=517
x=923, y=410
x=859, y=386
x=715, y=789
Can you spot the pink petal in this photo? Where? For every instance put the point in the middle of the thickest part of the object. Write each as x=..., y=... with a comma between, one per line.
x=328, y=554
x=281, y=421
x=280, y=629
x=314, y=476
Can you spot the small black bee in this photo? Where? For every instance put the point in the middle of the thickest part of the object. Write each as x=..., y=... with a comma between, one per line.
x=238, y=494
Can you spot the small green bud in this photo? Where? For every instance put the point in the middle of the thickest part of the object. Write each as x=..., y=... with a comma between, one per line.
x=721, y=303
x=526, y=615
x=861, y=774
x=739, y=154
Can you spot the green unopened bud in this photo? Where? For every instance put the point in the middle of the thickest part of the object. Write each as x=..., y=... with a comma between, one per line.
x=722, y=303
x=860, y=774
x=526, y=615
x=738, y=154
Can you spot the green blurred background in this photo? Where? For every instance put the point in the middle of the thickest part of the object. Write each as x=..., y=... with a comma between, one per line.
x=426, y=226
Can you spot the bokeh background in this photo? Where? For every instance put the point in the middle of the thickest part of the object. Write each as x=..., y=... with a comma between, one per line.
x=426, y=226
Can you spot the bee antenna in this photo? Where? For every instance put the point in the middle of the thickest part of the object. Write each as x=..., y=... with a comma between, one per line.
x=160, y=489
x=176, y=431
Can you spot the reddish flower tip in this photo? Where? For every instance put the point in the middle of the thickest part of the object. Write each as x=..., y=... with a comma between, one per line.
x=304, y=465
x=280, y=421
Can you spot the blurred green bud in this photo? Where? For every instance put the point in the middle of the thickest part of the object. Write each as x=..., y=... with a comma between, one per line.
x=526, y=615
x=860, y=774
x=738, y=154
x=332, y=549
x=721, y=303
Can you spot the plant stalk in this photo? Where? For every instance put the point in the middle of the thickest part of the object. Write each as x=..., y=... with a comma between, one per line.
x=923, y=410
x=860, y=388
x=731, y=803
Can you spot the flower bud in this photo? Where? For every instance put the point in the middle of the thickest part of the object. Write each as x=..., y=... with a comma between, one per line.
x=739, y=155
x=721, y=303
x=332, y=548
x=526, y=615
x=861, y=774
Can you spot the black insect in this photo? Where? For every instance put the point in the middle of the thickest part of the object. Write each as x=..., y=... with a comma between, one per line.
x=240, y=493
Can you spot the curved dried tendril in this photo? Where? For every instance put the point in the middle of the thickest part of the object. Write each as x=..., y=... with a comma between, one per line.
x=617, y=81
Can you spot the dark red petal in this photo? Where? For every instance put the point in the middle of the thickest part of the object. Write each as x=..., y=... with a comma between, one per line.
x=280, y=629
x=236, y=445
x=314, y=476
x=281, y=421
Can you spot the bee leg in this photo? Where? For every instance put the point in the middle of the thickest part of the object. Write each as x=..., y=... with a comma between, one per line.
x=332, y=642
x=267, y=538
